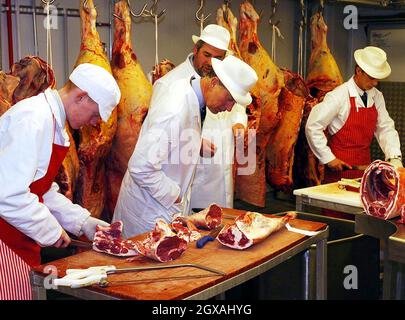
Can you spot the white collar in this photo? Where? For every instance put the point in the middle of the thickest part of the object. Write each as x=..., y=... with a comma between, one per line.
x=57, y=107
x=196, y=85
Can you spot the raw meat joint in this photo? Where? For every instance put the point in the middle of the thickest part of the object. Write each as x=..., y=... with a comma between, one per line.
x=136, y=92
x=94, y=142
x=209, y=218
x=251, y=228
x=185, y=229
x=161, y=244
x=109, y=240
x=382, y=191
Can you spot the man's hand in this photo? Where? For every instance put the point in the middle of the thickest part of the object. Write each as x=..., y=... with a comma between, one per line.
x=338, y=165
x=207, y=149
x=63, y=241
x=89, y=227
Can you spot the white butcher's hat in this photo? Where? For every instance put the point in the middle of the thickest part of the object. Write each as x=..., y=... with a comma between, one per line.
x=214, y=35
x=100, y=85
x=237, y=76
x=373, y=61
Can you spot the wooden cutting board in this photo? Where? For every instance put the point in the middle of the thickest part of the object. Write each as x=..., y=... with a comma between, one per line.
x=179, y=283
x=332, y=193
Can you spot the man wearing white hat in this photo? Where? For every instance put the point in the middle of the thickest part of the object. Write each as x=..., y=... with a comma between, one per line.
x=353, y=113
x=33, y=144
x=213, y=177
x=160, y=171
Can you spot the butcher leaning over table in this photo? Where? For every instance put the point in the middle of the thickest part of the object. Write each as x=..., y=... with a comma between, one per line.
x=353, y=113
x=213, y=180
x=33, y=144
x=161, y=168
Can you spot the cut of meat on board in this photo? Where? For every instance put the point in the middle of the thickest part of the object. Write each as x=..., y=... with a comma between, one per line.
x=323, y=72
x=8, y=84
x=161, y=244
x=209, y=218
x=109, y=240
x=267, y=89
x=136, y=92
x=94, y=142
x=251, y=228
x=280, y=149
x=161, y=69
x=382, y=190
x=185, y=229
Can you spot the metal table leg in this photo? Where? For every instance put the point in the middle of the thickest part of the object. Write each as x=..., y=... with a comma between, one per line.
x=321, y=270
x=38, y=290
x=298, y=203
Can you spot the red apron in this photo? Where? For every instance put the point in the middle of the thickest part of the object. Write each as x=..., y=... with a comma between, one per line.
x=352, y=142
x=18, y=252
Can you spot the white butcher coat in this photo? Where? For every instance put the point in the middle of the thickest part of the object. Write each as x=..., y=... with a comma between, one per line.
x=26, y=137
x=162, y=165
x=213, y=180
x=333, y=112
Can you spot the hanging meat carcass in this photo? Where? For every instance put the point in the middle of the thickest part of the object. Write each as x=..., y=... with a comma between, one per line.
x=323, y=72
x=280, y=149
x=136, y=92
x=265, y=115
x=8, y=84
x=226, y=19
x=94, y=141
x=251, y=228
x=307, y=171
x=161, y=69
x=323, y=76
x=382, y=190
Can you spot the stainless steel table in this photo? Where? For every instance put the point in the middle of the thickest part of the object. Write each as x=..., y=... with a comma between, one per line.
x=239, y=266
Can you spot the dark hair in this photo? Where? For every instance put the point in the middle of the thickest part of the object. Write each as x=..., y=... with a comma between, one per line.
x=199, y=44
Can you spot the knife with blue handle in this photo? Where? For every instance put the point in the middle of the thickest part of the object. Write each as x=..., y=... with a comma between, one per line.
x=210, y=237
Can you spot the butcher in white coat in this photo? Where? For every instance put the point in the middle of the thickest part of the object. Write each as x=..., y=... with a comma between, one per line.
x=213, y=177
x=161, y=169
x=33, y=144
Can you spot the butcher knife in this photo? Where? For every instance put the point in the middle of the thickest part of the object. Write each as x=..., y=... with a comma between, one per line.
x=210, y=237
x=360, y=167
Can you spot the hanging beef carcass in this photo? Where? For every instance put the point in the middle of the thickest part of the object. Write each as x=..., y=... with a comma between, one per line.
x=251, y=228
x=8, y=84
x=226, y=19
x=382, y=190
x=252, y=188
x=280, y=149
x=133, y=106
x=323, y=76
x=323, y=72
x=159, y=70
x=307, y=171
x=94, y=141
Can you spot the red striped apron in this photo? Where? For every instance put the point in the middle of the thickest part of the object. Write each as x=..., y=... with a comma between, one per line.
x=352, y=144
x=18, y=252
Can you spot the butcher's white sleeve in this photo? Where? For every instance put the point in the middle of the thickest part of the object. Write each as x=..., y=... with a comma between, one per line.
x=319, y=119
x=20, y=143
x=239, y=115
x=145, y=164
x=70, y=216
x=385, y=133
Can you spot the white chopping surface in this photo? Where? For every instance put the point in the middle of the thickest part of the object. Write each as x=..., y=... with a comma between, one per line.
x=332, y=193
